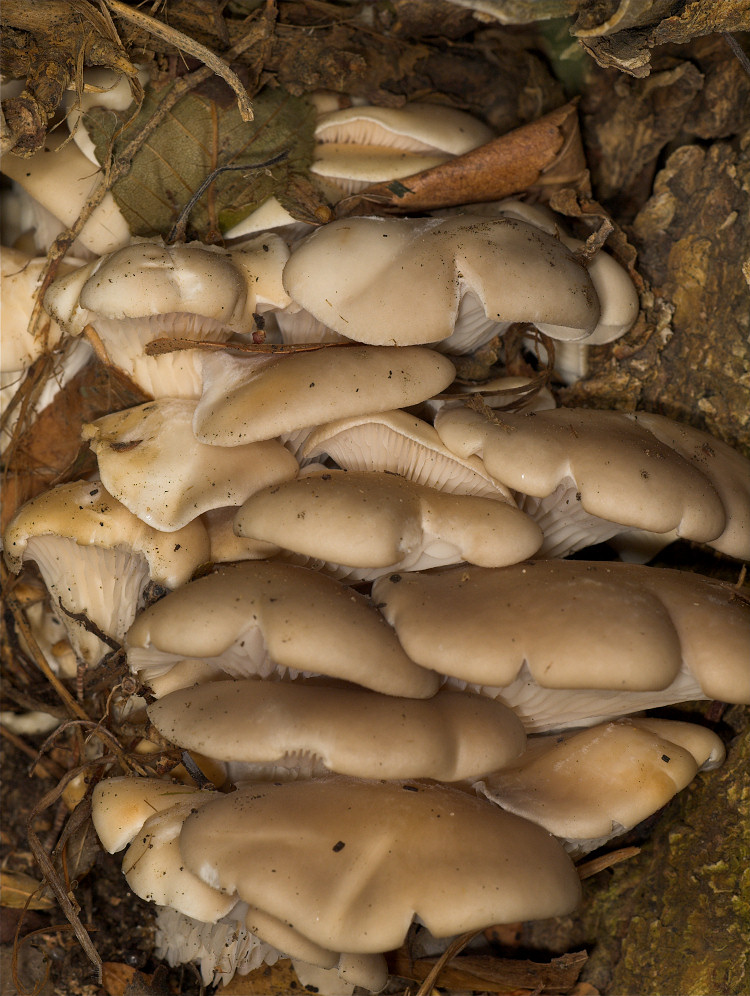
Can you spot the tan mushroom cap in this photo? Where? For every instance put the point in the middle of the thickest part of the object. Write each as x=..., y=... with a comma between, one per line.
x=257, y=611
x=449, y=737
x=244, y=401
x=150, y=279
x=150, y=460
x=226, y=545
x=619, y=470
x=380, y=521
x=400, y=281
x=120, y=806
x=576, y=624
x=400, y=443
x=590, y=785
x=349, y=863
x=84, y=512
x=726, y=469
x=20, y=280
x=155, y=870
x=705, y=746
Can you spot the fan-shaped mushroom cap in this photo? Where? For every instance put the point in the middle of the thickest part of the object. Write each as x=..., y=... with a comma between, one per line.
x=147, y=290
x=593, y=472
x=120, y=806
x=451, y=736
x=400, y=443
x=244, y=401
x=591, y=785
x=150, y=460
x=608, y=638
x=96, y=557
x=349, y=863
x=250, y=616
x=375, y=522
x=400, y=281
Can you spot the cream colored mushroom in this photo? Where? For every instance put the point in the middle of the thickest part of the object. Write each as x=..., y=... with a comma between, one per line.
x=265, y=618
x=567, y=643
x=150, y=460
x=375, y=522
x=245, y=400
x=148, y=290
x=96, y=558
x=587, y=475
x=349, y=863
x=352, y=731
x=589, y=786
x=399, y=443
x=403, y=281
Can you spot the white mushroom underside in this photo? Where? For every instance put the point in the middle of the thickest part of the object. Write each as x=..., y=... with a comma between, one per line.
x=169, y=375
x=220, y=949
x=103, y=584
x=566, y=524
x=543, y=709
x=376, y=446
x=247, y=658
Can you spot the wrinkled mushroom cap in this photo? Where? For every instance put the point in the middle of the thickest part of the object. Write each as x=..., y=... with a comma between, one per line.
x=576, y=624
x=621, y=472
x=400, y=281
x=451, y=736
x=150, y=460
x=299, y=618
x=349, y=863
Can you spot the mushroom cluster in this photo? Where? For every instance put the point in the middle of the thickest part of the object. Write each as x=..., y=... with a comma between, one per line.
x=412, y=705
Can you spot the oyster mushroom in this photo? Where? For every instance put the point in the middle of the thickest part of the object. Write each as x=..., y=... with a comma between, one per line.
x=269, y=725
x=96, y=558
x=147, y=290
x=406, y=281
x=360, y=524
x=567, y=643
x=266, y=618
x=587, y=475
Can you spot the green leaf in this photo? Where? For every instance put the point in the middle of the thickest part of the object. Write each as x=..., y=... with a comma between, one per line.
x=198, y=136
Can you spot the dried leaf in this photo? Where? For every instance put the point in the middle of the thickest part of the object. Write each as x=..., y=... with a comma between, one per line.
x=270, y=980
x=495, y=975
x=534, y=154
x=199, y=135
x=20, y=891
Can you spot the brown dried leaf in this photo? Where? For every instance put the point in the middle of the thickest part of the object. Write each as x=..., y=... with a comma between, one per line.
x=544, y=153
x=20, y=891
x=270, y=980
x=495, y=975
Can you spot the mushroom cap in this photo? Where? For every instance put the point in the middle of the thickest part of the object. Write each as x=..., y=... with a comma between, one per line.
x=84, y=512
x=350, y=862
x=400, y=281
x=120, y=806
x=380, y=521
x=296, y=617
x=414, y=127
x=400, y=443
x=726, y=469
x=244, y=401
x=449, y=737
x=621, y=472
x=595, y=783
x=150, y=460
x=607, y=626
x=150, y=279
